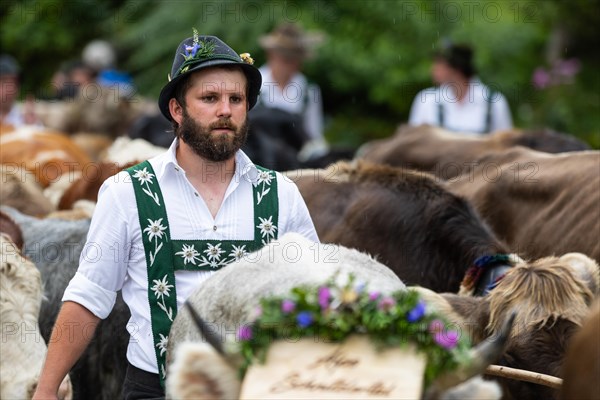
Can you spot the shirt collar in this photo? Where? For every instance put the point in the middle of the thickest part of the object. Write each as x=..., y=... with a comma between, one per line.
x=244, y=167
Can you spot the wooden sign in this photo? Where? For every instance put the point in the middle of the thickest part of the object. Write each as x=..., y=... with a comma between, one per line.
x=353, y=369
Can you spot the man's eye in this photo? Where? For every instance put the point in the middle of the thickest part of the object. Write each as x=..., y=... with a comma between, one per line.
x=208, y=99
x=236, y=99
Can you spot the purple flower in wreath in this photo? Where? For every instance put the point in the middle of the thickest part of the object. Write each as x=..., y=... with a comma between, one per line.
x=287, y=306
x=324, y=296
x=386, y=303
x=446, y=339
x=244, y=333
x=304, y=319
x=416, y=313
x=373, y=296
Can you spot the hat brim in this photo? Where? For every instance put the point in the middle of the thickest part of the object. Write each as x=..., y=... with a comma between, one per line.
x=252, y=75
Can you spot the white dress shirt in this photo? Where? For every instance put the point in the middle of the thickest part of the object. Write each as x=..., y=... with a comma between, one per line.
x=469, y=115
x=297, y=97
x=113, y=258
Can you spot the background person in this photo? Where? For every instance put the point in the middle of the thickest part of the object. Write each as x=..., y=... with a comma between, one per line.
x=460, y=102
x=12, y=113
x=286, y=89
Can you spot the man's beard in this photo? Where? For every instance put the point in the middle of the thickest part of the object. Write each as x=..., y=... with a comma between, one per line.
x=212, y=147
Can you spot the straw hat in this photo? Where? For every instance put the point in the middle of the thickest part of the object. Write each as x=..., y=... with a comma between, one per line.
x=291, y=41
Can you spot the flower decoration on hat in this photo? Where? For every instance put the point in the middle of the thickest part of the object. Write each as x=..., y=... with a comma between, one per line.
x=198, y=50
x=247, y=59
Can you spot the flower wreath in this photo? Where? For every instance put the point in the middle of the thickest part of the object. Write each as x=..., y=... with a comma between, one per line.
x=332, y=312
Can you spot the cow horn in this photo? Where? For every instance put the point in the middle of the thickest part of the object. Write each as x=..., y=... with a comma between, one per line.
x=212, y=339
x=480, y=357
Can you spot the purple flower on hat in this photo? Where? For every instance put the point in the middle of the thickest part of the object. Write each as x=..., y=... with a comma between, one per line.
x=324, y=295
x=287, y=306
x=304, y=319
x=190, y=51
x=244, y=333
x=416, y=313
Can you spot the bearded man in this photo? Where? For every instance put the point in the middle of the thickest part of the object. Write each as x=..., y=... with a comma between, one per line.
x=162, y=227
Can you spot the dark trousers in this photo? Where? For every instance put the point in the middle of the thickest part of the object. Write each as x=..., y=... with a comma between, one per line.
x=142, y=385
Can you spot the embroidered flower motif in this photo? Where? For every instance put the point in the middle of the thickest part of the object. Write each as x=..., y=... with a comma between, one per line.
x=161, y=287
x=264, y=177
x=155, y=229
x=214, y=252
x=246, y=58
x=189, y=254
x=266, y=227
x=143, y=176
x=237, y=253
x=162, y=344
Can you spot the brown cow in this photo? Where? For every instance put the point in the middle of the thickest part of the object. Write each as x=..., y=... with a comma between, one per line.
x=48, y=154
x=19, y=189
x=581, y=369
x=551, y=297
x=11, y=229
x=539, y=203
x=448, y=154
x=86, y=187
x=411, y=223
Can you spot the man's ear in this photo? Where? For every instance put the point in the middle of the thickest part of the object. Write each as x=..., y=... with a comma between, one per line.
x=176, y=110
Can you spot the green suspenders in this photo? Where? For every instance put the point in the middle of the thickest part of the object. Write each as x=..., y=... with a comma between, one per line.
x=164, y=256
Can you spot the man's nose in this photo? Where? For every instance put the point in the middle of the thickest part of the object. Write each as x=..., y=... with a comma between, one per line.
x=224, y=109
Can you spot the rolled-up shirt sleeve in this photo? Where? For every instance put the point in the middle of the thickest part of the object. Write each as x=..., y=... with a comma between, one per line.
x=103, y=261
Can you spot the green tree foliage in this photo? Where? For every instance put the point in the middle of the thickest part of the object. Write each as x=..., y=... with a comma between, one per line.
x=376, y=58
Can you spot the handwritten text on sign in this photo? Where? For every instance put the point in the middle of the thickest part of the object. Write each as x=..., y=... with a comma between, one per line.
x=349, y=370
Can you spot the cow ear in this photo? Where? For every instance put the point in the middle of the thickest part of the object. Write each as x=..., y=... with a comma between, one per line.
x=471, y=314
x=585, y=269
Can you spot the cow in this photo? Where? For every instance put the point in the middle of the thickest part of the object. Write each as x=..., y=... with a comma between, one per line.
x=448, y=154
x=47, y=154
x=86, y=187
x=23, y=349
x=229, y=298
x=11, y=229
x=551, y=297
x=411, y=223
x=55, y=245
x=19, y=189
x=539, y=204
x=581, y=368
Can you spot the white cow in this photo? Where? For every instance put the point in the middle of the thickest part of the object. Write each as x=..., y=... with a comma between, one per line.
x=229, y=298
x=22, y=347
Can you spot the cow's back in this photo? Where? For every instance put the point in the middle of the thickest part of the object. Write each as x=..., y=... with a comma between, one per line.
x=540, y=204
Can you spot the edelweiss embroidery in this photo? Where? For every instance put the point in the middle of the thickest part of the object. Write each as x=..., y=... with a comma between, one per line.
x=145, y=178
x=155, y=230
x=161, y=289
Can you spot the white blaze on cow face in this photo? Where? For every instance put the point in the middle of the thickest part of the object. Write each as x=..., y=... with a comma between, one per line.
x=22, y=347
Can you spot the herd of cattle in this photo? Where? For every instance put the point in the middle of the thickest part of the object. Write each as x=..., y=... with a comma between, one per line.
x=426, y=204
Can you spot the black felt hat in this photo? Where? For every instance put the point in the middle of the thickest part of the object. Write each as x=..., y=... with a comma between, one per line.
x=199, y=52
